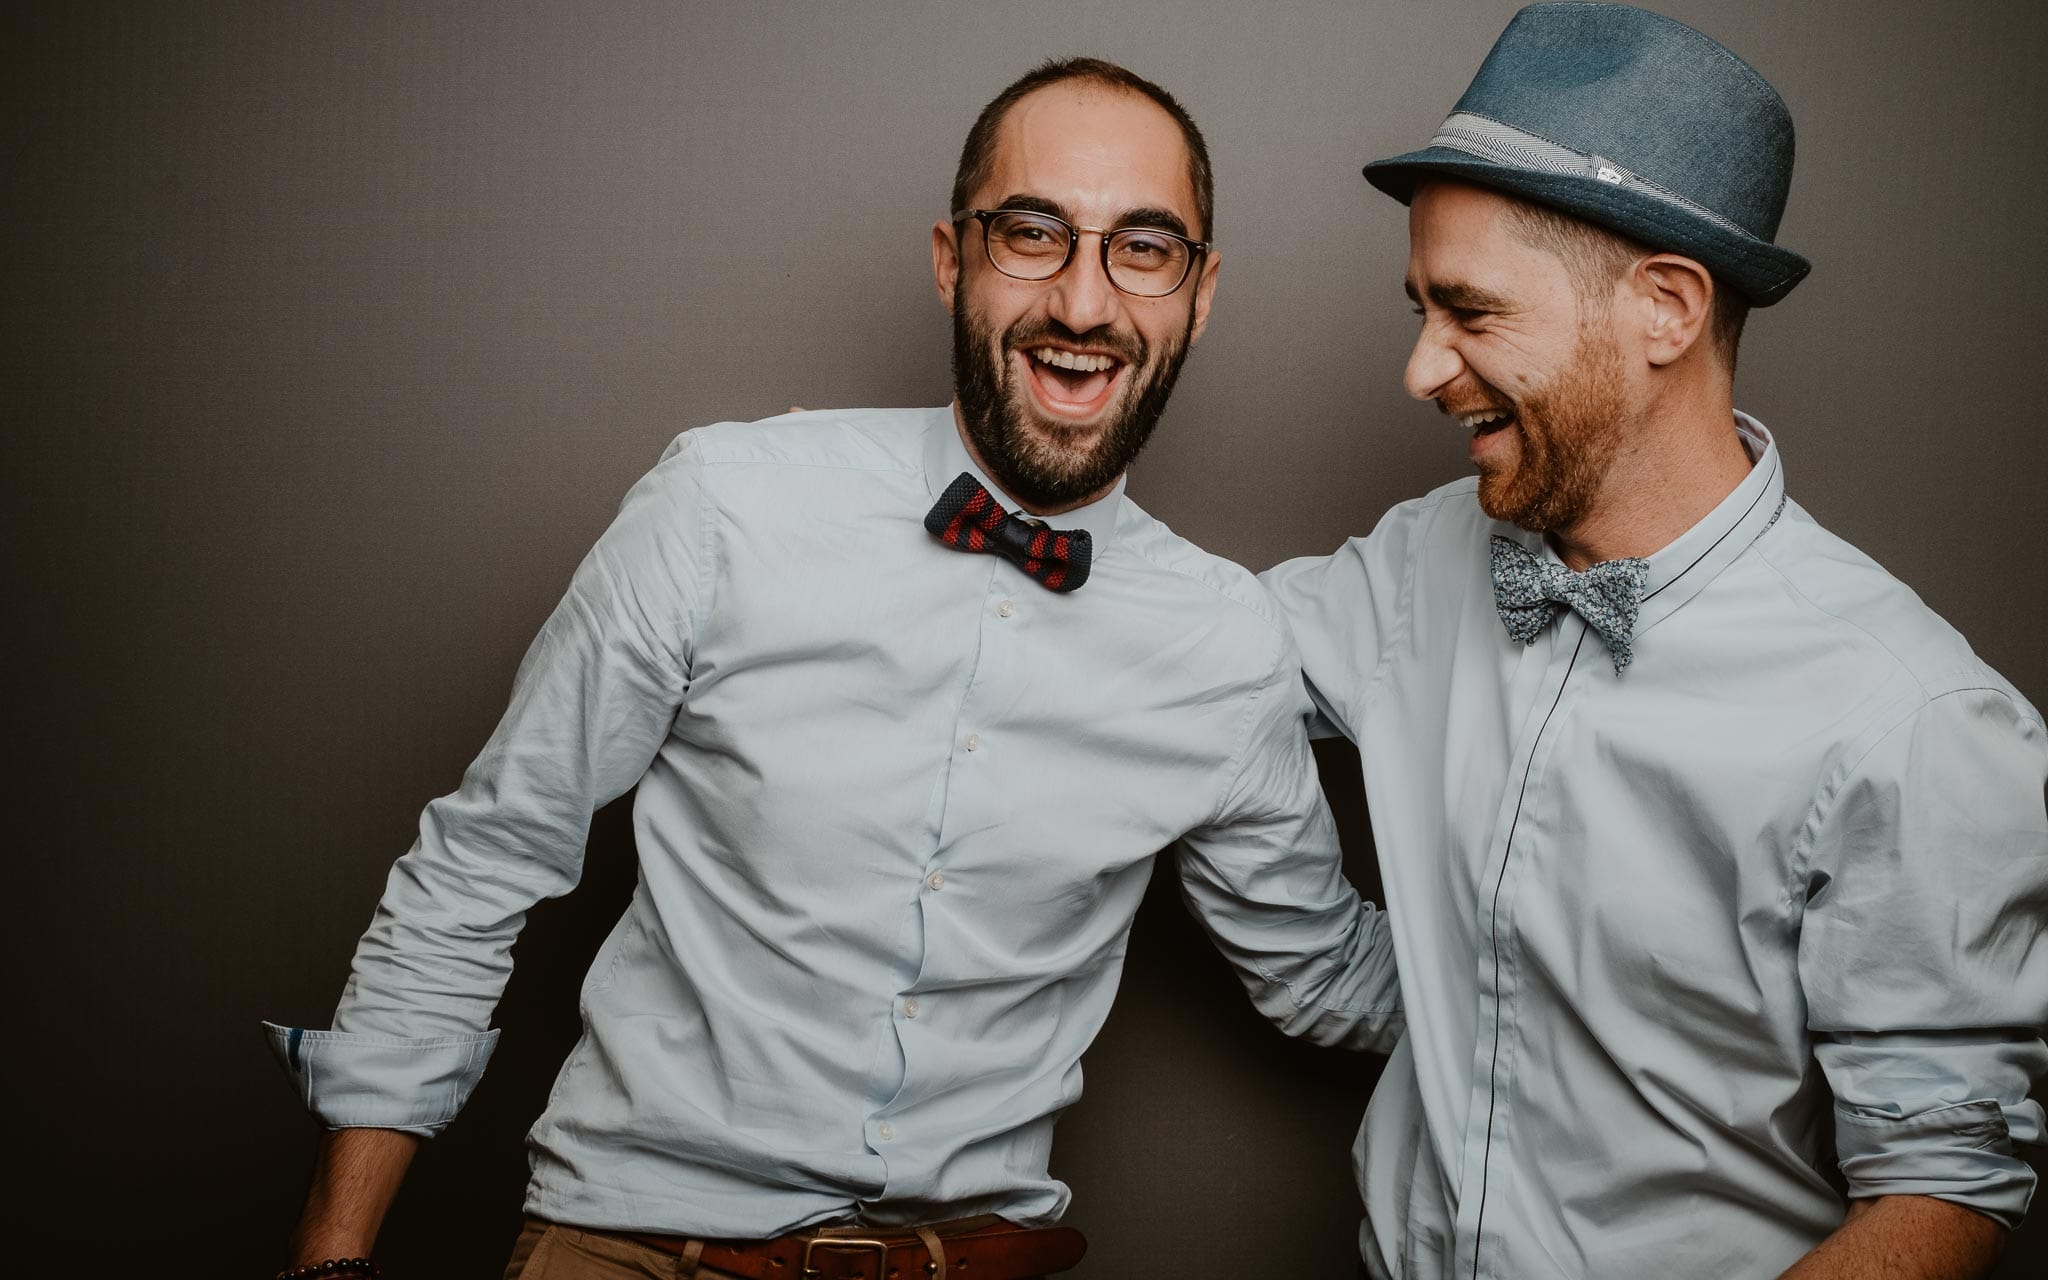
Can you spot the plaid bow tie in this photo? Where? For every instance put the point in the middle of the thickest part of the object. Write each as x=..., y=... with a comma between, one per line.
x=967, y=518
x=1528, y=591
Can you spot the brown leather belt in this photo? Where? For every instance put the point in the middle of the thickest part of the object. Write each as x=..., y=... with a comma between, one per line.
x=995, y=1251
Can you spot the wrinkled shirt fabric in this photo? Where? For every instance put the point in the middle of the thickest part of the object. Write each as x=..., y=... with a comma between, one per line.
x=896, y=808
x=1679, y=941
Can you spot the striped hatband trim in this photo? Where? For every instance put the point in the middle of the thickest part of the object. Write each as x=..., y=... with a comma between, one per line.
x=1488, y=139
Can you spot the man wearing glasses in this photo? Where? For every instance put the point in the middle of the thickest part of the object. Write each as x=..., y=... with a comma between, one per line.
x=911, y=699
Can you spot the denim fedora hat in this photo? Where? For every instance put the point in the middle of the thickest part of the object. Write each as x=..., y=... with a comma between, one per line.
x=1630, y=120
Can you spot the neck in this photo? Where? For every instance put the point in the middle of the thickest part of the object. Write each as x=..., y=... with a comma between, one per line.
x=1674, y=465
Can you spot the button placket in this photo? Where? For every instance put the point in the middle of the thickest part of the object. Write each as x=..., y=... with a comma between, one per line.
x=1495, y=1063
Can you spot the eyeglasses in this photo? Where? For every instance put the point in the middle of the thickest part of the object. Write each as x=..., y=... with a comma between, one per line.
x=1145, y=261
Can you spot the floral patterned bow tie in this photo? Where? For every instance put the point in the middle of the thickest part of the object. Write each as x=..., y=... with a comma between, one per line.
x=968, y=518
x=1528, y=591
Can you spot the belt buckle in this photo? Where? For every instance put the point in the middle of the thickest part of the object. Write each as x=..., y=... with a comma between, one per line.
x=881, y=1249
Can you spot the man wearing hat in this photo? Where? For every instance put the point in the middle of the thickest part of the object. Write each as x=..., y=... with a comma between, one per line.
x=1716, y=860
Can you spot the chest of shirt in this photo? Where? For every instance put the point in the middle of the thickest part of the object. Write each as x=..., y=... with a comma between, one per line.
x=857, y=688
x=1645, y=824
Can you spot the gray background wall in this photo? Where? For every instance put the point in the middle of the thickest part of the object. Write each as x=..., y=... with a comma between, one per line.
x=334, y=332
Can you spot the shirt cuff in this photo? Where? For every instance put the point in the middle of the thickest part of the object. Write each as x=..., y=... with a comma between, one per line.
x=349, y=1080
x=1962, y=1154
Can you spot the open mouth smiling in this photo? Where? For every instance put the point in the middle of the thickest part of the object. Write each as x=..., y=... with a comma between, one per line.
x=1069, y=383
x=1484, y=422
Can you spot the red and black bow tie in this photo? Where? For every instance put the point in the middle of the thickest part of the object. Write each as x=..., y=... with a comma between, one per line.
x=968, y=518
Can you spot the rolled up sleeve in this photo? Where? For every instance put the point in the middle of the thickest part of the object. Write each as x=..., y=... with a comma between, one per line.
x=385, y=1082
x=591, y=704
x=1923, y=959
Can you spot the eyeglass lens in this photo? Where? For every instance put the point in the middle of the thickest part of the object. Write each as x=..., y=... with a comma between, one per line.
x=1032, y=246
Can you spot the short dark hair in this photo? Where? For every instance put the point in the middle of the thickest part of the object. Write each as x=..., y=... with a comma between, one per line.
x=977, y=157
x=1595, y=257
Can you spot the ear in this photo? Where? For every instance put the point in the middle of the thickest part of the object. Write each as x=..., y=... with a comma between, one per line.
x=945, y=261
x=1677, y=295
x=1205, y=292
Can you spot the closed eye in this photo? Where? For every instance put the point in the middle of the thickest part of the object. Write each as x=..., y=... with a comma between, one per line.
x=1463, y=315
x=1466, y=301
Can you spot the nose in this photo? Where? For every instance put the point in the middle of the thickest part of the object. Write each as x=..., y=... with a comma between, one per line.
x=1082, y=296
x=1433, y=365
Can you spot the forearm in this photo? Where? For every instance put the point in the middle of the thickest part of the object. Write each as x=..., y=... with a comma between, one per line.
x=355, y=1179
x=1905, y=1238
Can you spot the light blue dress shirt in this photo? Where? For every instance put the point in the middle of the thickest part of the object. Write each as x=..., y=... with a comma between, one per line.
x=897, y=806
x=1673, y=938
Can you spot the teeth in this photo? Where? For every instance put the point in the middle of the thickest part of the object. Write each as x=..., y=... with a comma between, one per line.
x=1481, y=418
x=1071, y=360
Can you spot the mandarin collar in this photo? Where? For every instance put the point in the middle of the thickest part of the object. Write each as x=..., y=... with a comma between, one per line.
x=946, y=456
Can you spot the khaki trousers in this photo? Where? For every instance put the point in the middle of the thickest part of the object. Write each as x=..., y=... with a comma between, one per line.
x=551, y=1251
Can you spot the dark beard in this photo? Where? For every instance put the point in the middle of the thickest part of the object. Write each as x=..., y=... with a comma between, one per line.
x=1031, y=468
x=1570, y=431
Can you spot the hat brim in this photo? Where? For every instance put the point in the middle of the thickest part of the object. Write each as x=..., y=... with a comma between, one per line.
x=1761, y=271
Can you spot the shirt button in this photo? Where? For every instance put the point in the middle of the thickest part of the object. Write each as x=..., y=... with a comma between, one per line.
x=936, y=879
x=910, y=1006
x=1005, y=609
x=885, y=1131
x=973, y=742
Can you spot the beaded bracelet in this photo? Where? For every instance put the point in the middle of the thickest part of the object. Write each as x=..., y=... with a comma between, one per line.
x=333, y=1267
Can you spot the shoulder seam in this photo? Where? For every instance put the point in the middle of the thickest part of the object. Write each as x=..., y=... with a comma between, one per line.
x=761, y=444
x=1266, y=616
x=707, y=574
x=773, y=461
x=1928, y=691
x=1404, y=600
x=1831, y=788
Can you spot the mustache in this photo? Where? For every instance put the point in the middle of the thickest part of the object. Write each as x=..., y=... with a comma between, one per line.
x=1472, y=402
x=1127, y=347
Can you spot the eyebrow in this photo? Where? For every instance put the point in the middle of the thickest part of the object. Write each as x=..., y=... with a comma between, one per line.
x=1454, y=296
x=1162, y=219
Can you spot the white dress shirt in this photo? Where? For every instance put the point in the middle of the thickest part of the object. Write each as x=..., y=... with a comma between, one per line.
x=1677, y=941
x=897, y=805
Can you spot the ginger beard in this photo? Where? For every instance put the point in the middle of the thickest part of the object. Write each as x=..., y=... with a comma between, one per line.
x=1043, y=462
x=1567, y=433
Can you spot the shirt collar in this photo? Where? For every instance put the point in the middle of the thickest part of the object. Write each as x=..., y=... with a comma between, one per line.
x=1683, y=569
x=945, y=457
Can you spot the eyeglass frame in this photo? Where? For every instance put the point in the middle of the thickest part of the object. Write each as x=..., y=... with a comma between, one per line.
x=1197, y=248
